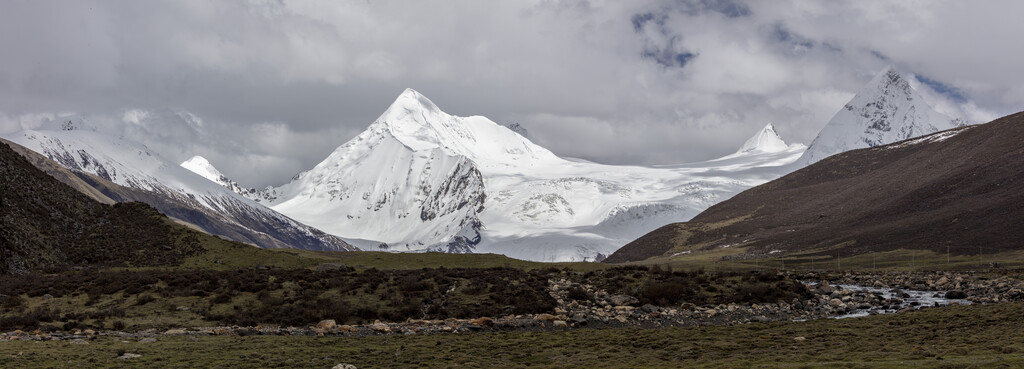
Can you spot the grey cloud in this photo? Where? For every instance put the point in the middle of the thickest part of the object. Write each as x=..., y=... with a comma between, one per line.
x=278, y=85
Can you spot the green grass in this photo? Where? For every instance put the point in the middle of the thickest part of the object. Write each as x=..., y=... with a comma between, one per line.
x=900, y=260
x=951, y=337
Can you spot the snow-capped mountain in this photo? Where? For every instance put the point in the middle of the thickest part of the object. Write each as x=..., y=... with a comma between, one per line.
x=170, y=188
x=887, y=110
x=420, y=179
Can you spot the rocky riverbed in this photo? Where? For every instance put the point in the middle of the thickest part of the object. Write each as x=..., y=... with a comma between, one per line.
x=832, y=296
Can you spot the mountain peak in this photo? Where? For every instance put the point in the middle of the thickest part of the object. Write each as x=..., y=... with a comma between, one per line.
x=765, y=140
x=886, y=110
x=410, y=101
x=199, y=165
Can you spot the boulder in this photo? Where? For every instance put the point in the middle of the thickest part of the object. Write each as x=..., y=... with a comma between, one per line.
x=957, y=295
x=560, y=324
x=482, y=322
x=545, y=317
x=326, y=325
x=619, y=300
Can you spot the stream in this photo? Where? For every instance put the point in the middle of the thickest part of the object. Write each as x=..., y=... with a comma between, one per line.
x=897, y=299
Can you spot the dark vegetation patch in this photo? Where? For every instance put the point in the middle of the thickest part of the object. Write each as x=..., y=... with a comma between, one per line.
x=665, y=287
x=300, y=297
x=280, y=297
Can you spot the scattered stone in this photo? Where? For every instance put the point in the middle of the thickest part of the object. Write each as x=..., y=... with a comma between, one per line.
x=129, y=355
x=482, y=322
x=344, y=366
x=619, y=300
x=546, y=317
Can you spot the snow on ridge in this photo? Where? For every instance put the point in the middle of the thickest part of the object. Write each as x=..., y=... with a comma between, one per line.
x=420, y=179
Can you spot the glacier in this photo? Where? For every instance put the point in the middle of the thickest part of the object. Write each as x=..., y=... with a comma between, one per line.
x=418, y=179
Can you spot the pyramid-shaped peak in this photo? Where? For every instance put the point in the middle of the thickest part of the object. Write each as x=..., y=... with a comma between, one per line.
x=888, y=80
x=411, y=101
x=765, y=140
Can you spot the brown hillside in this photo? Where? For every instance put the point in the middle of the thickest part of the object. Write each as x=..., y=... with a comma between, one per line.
x=962, y=189
x=47, y=225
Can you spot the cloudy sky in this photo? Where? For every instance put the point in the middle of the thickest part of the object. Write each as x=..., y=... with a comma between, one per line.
x=265, y=89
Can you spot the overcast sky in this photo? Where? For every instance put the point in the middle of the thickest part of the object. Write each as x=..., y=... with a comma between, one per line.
x=265, y=89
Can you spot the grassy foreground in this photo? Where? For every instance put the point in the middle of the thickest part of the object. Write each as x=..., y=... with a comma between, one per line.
x=950, y=337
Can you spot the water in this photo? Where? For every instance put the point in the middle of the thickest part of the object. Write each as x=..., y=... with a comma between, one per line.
x=911, y=298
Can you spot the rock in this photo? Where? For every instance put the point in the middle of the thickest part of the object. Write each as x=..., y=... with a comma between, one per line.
x=649, y=308
x=326, y=325
x=174, y=332
x=878, y=284
x=47, y=297
x=621, y=318
x=836, y=302
x=344, y=366
x=825, y=288
x=381, y=327
x=546, y=317
x=957, y=295
x=942, y=281
x=799, y=339
x=347, y=328
x=128, y=355
x=89, y=332
x=560, y=324
x=482, y=322
x=579, y=319
x=619, y=300
x=147, y=340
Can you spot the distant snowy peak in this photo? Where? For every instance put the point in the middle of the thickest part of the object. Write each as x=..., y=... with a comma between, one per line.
x=199, y=165
x=765, y=140
x=887, y=110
